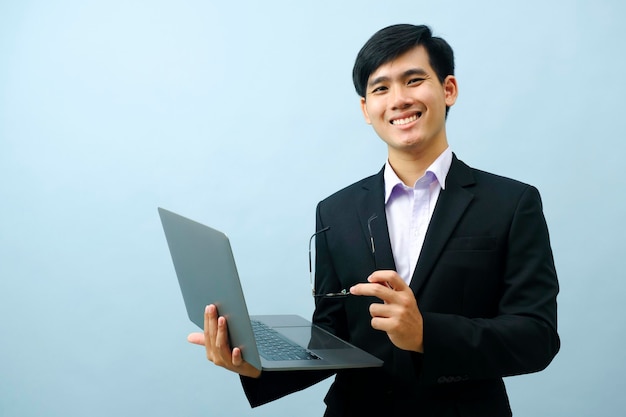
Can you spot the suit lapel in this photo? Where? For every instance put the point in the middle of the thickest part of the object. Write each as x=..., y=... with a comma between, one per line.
x=452, y=203
x=371, y=203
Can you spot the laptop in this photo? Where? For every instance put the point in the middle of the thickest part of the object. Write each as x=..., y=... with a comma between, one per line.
x=207, y=274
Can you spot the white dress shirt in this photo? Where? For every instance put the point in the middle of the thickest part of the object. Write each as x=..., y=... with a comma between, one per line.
x=409, y=210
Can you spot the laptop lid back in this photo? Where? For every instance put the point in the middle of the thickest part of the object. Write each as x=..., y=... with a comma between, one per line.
x=207, y=274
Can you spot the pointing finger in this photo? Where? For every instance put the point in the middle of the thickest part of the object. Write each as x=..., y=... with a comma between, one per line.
x=389, y=278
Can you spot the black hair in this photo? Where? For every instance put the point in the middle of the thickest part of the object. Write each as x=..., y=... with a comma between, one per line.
x=389, y=43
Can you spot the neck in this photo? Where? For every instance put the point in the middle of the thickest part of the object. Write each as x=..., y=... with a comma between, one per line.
x=411, y=167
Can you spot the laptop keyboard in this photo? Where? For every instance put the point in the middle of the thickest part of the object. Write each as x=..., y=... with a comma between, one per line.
x=275, y=347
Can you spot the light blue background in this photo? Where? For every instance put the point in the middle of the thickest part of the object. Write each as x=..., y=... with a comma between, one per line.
x=242, y=115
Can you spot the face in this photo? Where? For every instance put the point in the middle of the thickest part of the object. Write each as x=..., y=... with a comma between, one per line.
x=406, y=105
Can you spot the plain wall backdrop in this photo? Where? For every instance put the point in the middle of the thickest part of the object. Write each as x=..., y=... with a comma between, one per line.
x=242, y=115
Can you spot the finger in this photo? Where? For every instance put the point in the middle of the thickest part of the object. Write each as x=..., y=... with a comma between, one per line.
x=389, y=278
x=210, y=331
x=379, y=323
x=222, y=346
x=242, y=367
x=196, y=338
x=210, y=323
x=373, y=289
x=381, y=310
x=237, y=357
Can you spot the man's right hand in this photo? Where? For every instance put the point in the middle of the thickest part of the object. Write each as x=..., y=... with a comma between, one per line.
x=218, y=351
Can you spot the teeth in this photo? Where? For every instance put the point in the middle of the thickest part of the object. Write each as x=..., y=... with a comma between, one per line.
x=399, y=122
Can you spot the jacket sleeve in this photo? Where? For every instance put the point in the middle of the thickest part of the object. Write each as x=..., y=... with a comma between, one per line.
x=522, y=336
x=273, y=385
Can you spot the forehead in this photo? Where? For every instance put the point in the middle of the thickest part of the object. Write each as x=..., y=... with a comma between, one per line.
x=415, y=58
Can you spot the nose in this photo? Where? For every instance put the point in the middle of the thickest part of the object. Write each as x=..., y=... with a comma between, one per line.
x=400, y=99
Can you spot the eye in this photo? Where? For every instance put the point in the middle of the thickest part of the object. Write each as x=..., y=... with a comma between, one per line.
x=413, y=81
x=379, y=89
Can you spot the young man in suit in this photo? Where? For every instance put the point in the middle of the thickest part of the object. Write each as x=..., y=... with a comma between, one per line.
x=449, y=268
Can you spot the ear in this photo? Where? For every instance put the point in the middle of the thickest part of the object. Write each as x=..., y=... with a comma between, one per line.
x=364, y=110
x=450, y=89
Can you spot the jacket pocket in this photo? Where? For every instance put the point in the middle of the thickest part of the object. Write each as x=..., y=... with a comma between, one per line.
x=472, y=243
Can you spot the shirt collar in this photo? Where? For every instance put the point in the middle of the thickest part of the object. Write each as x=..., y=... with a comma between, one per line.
x=439, y=169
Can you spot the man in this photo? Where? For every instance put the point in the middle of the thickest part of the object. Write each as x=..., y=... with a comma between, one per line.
x=450, y=269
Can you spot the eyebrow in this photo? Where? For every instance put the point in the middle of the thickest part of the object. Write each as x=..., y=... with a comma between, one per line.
x=405, y=74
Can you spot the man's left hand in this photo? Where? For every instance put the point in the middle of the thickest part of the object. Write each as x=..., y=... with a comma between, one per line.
x=399, y=314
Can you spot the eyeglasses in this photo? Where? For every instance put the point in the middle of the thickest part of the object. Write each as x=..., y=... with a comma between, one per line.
x=344, y=292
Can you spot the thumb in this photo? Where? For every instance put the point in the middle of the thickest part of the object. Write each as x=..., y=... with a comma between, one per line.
x=196, y=338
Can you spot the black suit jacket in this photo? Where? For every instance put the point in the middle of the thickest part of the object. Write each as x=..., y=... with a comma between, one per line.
x=485, y=283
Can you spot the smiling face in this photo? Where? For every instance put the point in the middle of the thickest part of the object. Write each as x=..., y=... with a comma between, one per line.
x=406, y=105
